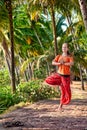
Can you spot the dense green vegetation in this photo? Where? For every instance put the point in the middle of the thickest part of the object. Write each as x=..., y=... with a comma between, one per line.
x=31, y=91
x=39, y=30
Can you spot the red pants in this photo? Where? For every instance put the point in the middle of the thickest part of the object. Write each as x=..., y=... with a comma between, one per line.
x=64, y=83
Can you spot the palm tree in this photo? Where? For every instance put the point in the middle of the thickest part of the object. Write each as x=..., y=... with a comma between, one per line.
x=67, y=11
x=8, y=4
x=42, y=6
x=26, y=39
x=83, y=7
x=3, y=35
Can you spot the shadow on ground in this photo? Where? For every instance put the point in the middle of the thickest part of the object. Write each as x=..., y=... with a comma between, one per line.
x=45, y=115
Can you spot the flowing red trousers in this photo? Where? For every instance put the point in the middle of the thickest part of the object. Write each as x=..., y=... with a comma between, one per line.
x=64, y=83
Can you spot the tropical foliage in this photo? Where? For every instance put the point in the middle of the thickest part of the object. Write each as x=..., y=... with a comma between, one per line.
x=39, y=29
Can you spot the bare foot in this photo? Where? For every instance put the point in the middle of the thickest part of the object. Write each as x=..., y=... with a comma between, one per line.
x=60, y=108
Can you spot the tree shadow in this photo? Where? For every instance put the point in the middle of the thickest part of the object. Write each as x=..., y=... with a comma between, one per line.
x=40, y=119
x=42, y=115
x=79, y=102
x=57, y=101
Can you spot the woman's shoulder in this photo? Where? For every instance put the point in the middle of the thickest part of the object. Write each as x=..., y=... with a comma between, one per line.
x=57, y=57
x=71, y=57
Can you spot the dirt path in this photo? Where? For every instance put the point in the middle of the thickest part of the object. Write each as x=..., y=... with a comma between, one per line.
x=44, y=115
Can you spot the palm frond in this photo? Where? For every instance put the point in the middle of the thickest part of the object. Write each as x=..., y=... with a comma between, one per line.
x=44, y=57
x=25, y=64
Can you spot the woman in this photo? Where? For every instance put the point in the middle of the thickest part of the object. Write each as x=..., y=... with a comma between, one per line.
x=62, y=77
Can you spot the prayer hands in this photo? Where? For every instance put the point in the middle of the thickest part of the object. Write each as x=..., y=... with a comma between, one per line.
x=61, y=61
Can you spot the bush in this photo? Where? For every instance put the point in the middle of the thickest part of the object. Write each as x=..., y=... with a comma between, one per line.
x=30, y=91
x=8, y=99
x=40, y=74
x=4, y=78
x=34, y=90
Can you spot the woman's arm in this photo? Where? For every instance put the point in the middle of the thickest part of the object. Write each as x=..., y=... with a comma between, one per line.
x=62, y=63
x=57, y=63
x=69, y=63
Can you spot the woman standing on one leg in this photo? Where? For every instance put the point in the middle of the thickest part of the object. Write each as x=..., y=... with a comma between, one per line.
x=62, y=78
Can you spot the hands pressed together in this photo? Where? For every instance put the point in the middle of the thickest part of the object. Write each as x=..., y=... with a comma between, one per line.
x=62, y=62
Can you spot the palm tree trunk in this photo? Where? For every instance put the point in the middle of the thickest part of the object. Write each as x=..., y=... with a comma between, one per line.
x=17, y=76
x=81, y=77
x=9, y=8
x=26, y=77
x=8, y=65
x=71, y=30
x=30, y=71
x=83, y=7
x=7, y=55
x=36, y=34
x=54, y=30
x=85, y=72
x=48, y=68
x=76, y=47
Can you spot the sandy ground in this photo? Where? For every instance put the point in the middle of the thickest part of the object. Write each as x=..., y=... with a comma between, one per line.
x=44, y=115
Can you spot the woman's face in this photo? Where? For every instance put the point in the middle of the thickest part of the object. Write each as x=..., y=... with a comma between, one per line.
x=64, y=48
